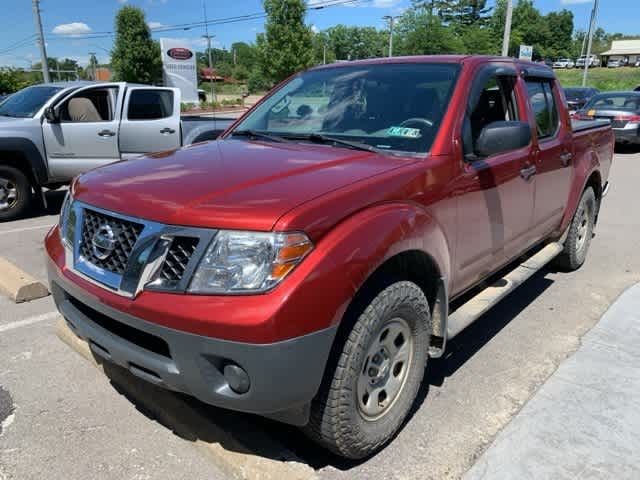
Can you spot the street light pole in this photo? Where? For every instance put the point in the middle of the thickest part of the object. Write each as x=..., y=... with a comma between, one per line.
x=391, y=21
x=507, y=29
x=43, y=47
x=592, y=26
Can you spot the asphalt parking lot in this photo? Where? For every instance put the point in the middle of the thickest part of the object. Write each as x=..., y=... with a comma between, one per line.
x=62, y=419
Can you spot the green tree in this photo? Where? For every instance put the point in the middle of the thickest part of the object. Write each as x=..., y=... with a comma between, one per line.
x=560, y=26
x=286, y=46
x=244, y=54
x=420, y=32
x=352, y=43
x=135, y=56
x=12, y=80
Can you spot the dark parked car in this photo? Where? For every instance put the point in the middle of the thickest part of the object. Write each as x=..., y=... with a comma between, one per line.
x=577, y=97
x=622, y=109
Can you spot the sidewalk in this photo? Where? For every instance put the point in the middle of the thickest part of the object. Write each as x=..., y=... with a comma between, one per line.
x=584, y=422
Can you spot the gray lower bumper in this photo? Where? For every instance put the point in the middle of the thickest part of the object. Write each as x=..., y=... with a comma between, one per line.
x=284, y=376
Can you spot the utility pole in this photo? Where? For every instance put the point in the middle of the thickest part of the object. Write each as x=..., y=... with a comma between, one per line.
x=324, y=53
x=592, y=27
x=43, y=47
x=209, y=37
x=507, y=29
x=391, y=21
x=92, y=61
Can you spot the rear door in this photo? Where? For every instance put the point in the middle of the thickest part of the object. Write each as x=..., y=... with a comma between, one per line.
x=151, y=121
x=86, y=135
x=553, y=151
x=495, y=204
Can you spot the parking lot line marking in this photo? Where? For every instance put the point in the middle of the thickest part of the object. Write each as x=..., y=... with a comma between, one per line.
x=29, y=321
x=25, y=229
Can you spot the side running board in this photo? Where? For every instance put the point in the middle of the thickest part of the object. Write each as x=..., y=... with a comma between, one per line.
x=467, y=313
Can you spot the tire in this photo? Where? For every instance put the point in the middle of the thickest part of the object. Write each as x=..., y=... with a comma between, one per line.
x=578, y=240
x=345, y=416
x=15, y=193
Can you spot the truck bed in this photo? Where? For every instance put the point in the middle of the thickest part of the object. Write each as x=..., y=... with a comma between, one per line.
x=200, y=129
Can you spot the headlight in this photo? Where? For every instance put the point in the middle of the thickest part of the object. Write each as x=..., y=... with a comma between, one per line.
x=245, y=262
x=67, y=222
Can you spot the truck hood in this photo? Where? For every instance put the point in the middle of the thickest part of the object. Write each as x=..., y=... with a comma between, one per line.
x=233, y=183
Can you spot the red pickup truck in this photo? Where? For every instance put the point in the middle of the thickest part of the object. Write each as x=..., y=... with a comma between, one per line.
x=307, y=264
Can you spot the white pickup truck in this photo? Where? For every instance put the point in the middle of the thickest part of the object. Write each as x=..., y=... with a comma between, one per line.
x=50, y=133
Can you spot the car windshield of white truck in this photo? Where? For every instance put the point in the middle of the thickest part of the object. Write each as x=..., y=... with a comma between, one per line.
x=394, y=107
x=27, y=102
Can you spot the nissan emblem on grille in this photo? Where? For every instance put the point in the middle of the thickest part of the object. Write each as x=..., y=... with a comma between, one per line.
x=103, y=242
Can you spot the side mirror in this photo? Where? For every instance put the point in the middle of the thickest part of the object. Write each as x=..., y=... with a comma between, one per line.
x=500, y=137
x=52, y=114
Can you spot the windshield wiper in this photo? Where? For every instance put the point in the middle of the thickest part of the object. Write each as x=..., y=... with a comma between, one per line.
x=257, y=134
x=319, y=138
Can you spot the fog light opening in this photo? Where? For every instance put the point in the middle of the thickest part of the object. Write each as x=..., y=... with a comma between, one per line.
x=237, y=378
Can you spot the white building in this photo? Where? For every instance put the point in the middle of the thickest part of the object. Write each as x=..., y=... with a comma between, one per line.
x=627, y=51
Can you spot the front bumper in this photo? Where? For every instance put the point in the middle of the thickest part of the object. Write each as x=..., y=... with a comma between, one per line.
x=284, y=376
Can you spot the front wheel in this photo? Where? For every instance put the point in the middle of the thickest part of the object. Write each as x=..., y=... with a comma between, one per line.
x=578, y=240
x=373, y=380
x=15, y=193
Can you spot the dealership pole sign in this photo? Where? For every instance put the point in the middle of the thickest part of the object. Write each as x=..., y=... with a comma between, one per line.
x=179, y=68
x=526, y=52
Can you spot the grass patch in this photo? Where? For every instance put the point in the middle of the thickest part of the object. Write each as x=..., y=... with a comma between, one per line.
x=225, y=88
x=604, y=79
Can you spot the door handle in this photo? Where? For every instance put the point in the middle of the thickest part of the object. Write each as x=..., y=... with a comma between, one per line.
x=106, y=133
x=167, y=131
x=565, y=158
x=528, y=172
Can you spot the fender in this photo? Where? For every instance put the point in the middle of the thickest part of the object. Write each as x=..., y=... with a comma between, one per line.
x=351, y=252
x=28, y=149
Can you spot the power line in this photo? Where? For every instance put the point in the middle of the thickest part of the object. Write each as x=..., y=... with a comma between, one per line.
x=201, y=24
x=19, y=43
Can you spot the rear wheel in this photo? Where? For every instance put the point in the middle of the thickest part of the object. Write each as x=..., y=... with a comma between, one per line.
x=15, y=193
x=373, y=380
x=580, y=233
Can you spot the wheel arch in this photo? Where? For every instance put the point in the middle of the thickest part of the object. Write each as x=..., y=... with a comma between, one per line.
x=413, y=248
x=23, y=154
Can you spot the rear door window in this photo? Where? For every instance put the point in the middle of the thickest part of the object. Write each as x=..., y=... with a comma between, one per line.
x=150, y=104
x=544, y=107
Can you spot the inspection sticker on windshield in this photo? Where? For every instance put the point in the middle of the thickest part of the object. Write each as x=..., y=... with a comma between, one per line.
x=404, y=132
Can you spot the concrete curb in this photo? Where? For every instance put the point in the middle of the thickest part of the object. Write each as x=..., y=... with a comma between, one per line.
x=235, y=456
x=19, y=285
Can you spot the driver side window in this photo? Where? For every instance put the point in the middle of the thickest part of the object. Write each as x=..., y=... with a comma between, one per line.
x=89, y=106
x=496, y=102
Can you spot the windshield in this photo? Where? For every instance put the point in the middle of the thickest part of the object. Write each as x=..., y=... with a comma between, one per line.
x=390, y=107
x=27, y=102
x=620, y=101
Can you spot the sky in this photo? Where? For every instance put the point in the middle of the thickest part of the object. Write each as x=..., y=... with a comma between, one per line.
x=62, y=18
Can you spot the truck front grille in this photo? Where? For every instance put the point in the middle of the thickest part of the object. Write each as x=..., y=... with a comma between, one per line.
x=125, y=235
x=178, y=256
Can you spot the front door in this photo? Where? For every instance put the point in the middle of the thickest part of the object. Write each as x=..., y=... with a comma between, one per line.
x=553, y=155
x=495, y=200
x=86, y=134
